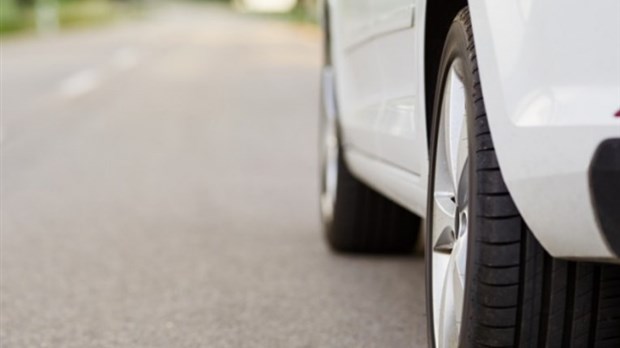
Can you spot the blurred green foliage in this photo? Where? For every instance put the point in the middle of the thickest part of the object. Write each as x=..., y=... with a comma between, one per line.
x=20, y=15
x=84, y=12
x=14, y=16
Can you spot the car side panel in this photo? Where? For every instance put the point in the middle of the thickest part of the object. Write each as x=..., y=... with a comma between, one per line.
x=378, y=80
x=550, y=74
x=358, y=73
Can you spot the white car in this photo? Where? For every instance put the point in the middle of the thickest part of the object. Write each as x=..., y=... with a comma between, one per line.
x=497, y=123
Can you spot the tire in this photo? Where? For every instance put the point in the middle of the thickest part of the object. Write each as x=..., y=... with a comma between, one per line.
x=355, y=217
x=515, y=294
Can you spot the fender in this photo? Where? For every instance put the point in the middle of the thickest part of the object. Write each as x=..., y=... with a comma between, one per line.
x=550, y=73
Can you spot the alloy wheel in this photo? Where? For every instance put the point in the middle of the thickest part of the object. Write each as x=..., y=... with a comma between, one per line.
x=450, y=211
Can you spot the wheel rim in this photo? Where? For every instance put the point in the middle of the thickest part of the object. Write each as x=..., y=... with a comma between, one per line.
x=329, y=148
x=450, y=211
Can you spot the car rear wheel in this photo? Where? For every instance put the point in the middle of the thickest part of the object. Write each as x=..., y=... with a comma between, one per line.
x=355, y=217
x=489, y=282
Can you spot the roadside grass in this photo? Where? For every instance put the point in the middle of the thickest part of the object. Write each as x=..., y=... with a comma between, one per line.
x=68, y=14
x=81, y=13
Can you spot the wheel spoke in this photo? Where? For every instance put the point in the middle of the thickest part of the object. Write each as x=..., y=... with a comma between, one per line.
x=451, y=300
x=444, y=211
x=444, y=238
x=460, y=260
x=455, y=132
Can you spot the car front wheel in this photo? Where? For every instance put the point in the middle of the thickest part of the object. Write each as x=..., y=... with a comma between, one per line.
x=489, y=282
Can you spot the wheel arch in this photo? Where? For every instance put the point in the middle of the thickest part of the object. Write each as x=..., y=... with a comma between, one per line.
x=438, y=18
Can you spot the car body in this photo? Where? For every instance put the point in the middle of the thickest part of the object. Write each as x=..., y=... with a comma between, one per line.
x=551, y=81
x=497, y=123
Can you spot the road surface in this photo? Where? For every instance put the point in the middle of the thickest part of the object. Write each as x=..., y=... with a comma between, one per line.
x=159, y=186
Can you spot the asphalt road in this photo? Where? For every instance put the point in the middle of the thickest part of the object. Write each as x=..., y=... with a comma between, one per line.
x=159, y=189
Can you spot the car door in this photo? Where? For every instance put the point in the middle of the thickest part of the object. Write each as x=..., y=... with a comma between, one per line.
x=358, y=73
x=377, y=56
x=400, y=130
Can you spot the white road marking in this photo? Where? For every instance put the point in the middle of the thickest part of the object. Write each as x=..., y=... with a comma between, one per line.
x=80, y=83
x=87, y=80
